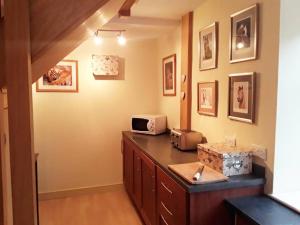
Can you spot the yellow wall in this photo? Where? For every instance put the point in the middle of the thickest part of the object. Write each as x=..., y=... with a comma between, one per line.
x=215, y=129
x=78, y=135
x=170, y=106
x=5, y=161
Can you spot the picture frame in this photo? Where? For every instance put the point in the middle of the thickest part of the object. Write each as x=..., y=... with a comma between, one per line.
x=169, y=75
x=244, y=35
x=207, y=98
x=61, y=78
x=208, y=47
x=241, y=97
x=105, y=65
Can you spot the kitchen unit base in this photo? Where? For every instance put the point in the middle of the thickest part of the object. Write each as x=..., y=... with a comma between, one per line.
x=163, y=198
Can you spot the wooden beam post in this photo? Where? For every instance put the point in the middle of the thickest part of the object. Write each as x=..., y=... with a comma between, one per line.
x=126, y=8
x=186, y=70
x=2, y=76
x=18, y=78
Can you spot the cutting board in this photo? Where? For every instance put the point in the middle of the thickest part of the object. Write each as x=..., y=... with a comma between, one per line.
x=188, y=170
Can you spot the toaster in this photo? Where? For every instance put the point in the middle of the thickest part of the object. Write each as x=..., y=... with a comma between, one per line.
x=185, y=139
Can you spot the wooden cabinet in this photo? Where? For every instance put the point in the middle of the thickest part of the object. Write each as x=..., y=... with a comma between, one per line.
x=242, y=220
x=148, y=191
x=128, y=167
x=140, y=181
x=137, y=179
x=171, y=200
x=161, y=200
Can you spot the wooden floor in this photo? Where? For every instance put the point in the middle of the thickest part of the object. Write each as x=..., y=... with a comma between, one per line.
x=109, y=208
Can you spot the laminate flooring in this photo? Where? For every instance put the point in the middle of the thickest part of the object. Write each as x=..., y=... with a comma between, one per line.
x=103, y=208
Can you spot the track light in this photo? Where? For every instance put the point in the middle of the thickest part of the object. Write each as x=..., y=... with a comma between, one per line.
x=121, y=39
x=98, y=39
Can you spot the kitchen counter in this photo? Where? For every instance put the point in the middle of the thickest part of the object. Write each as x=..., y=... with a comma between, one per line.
x=160, y=150
x=263, y=210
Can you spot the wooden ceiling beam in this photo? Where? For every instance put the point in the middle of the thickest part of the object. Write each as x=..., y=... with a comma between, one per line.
x=126, y=8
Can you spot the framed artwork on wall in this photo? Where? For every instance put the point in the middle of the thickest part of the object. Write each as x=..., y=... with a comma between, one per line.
x=244, y=35
x=208, y=98
x=105, y=65
x=61, y=78
x=169, y=75
x=208, y=47
x=241, y=102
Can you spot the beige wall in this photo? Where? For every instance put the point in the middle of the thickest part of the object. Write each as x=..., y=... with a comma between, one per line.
x=78, y=135
x=215, y=129
x=82, y=148
x=170, y=105
x=5, y=161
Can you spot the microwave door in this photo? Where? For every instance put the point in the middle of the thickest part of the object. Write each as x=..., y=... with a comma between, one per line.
x=140, y=124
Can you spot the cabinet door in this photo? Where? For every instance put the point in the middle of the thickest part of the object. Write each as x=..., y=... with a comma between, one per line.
x=137, y=179
x=128, y=167
x=148, y=207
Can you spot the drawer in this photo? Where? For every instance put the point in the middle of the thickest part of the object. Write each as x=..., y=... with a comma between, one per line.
x=171, y=200
x=162, y=221
x=166, y=215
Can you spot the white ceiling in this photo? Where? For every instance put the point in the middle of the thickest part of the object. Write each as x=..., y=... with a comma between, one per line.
x=153, y=18
x=171, y=9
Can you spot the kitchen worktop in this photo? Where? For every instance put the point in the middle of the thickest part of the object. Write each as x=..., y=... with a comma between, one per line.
x=160, y=150
x=263, y=210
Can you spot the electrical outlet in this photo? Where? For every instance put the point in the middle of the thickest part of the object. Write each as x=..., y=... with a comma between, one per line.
x=230, y=140
x=259, y=151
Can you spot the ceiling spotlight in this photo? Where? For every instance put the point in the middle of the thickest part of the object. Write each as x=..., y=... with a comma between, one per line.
x=121, y=39
x=98, y=39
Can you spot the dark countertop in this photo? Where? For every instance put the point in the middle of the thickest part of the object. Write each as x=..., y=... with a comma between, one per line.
x=160, y=150
x=263, y=210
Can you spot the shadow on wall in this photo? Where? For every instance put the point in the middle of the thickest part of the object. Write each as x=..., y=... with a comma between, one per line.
x=121, y=75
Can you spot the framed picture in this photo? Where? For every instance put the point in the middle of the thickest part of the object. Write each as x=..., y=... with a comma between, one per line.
x=243, y=37
x=61, y=78
x=208, y=47
x=105, y=65
x=241, y=103
x=208, y=98
x=169, y=75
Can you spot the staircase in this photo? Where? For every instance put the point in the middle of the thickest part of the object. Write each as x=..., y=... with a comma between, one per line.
x=58, y=27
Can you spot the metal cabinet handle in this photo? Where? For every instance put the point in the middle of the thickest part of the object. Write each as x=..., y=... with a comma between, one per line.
x=162, y=217
x=165, y=207
x=166, y=188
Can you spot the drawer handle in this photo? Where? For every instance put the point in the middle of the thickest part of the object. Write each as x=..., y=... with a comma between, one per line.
x=165, y=207
x=161, y=216
x=166, y=188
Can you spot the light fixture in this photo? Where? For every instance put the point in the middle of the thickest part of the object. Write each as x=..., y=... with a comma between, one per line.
x=98, y=39
x=121, y=39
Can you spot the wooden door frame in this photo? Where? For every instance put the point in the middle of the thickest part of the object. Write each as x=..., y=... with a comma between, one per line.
x=19, y=86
